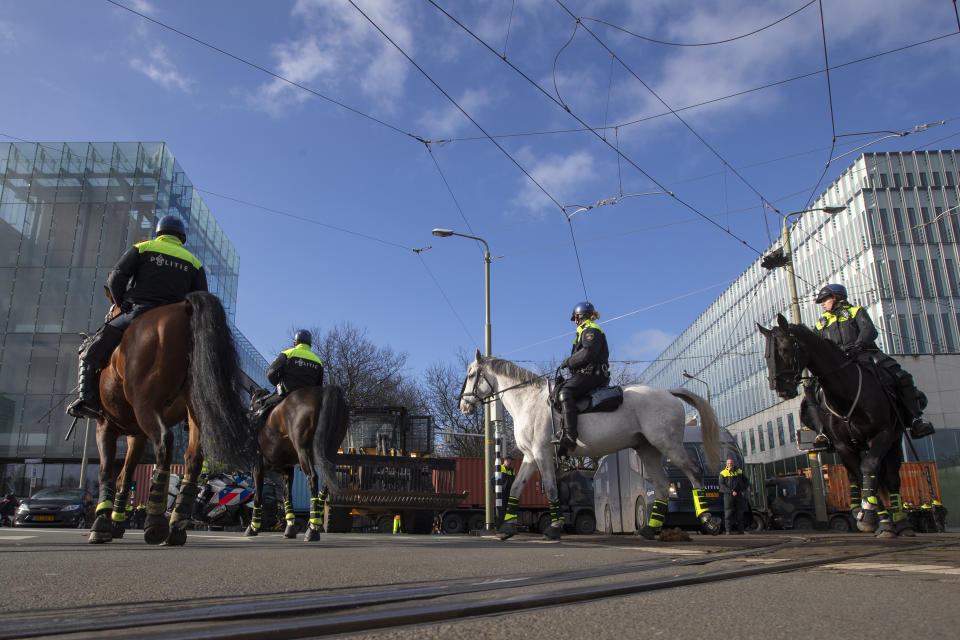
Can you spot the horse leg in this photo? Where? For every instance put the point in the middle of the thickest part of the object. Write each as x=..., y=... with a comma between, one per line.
x=312, y=534
x=254, y=527
x=156, y=528
x=548, y=479
x=291, y=529
x=890, y=479
x=652, y=461
x=869, y=518
x=123, y=503
x=186, y=501
x=101, y=531
x=508, y=528
x=708, y=522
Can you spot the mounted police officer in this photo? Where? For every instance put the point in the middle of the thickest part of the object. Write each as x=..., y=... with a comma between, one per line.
x=590, y=366
x=293, y=369
x=850, y=328
x=159, y=272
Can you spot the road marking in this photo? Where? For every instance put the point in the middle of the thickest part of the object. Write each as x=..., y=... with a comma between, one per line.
x=6, y=537
x=907, y=568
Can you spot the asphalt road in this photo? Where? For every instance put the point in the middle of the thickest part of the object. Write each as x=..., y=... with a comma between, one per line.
x=905, y=591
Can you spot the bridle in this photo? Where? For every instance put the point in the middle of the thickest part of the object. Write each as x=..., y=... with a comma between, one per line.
x=792, y=376
x=475, y=390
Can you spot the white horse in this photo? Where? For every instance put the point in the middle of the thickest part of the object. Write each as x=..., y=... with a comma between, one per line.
x=650, y=421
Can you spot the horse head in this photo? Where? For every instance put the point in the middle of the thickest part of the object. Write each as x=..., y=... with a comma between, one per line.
x=476, y=387
x=786, y=358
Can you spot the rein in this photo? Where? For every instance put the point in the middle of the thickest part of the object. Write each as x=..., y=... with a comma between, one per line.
x=856, y=399
x=476, y=385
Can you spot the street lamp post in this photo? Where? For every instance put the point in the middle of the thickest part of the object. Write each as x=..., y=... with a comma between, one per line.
x=488, y=453
x=704, y=382
x=785, y=259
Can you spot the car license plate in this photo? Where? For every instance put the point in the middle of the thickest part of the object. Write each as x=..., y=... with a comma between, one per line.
x=43, y=518
x=713, y=494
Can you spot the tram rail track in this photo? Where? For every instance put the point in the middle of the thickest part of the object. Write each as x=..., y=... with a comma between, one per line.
x=300, y=615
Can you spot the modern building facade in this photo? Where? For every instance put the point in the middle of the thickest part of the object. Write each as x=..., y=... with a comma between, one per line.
x=896, y=248
x=67, y=213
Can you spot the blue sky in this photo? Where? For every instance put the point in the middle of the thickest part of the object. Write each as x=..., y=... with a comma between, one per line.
x=363, y=189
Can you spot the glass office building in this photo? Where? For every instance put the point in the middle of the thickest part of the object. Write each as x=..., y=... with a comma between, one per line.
x=67, y=213
x=895, y=247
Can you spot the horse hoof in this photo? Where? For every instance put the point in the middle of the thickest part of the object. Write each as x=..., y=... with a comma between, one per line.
x=312, y=535
x=507, y=530
x=868, y=521
x=250, y=532
x=554, y=531
x=710, y=524
x=176, y=538
x=117, y=530
x=648, y=532
x=290, y=531
x=906, y=530
x=155, y=534
x=99, y=537
x=886, y=534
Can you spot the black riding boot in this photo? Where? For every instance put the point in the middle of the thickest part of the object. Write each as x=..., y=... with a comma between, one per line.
x=94, y=355
x=568, y=439
x=910, y=396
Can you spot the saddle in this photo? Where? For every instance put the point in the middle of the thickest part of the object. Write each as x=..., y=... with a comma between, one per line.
x=598, y=400
x=262, y=402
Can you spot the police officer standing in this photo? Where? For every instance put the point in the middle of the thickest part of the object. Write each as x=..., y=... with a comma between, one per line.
x=507, y=475
x=850, y=328
x=159, y=272
x=589, y=363
x=734, y=487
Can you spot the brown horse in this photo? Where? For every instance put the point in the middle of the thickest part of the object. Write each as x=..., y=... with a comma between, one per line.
x=306, y=428
x=176, y=362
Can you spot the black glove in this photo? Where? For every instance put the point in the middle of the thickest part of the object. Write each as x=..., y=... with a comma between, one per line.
x=125, y=306
x=852, y=350
x=564, y=364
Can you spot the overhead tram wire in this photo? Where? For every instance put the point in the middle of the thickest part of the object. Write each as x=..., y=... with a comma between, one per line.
x=463, y=325
x=482, y=130
x=833, y=124
x=266, y=71
x=737, y=94
x=699, y=44
x=664, y=103
x=594, y=132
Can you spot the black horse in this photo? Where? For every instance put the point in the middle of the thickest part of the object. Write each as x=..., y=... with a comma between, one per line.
x=864, y=423
x=306, y=428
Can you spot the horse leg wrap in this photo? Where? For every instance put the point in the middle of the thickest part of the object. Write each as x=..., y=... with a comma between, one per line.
x=257, y=518
x=658, y=515
x=183, y=508
x=855, y=496
x=316, y=512
x=699, y=503
x=896, y=506
x=105, y=506
x=511, y=511
x=119, y=514
x=288, y=513
x=157, y=500
x=554, y=531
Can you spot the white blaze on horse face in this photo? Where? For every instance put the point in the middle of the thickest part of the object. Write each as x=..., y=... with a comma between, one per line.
x=469, y=387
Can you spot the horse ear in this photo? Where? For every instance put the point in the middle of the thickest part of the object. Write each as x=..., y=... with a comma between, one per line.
x=782, y=322
x=478, y=355
x=764, y=330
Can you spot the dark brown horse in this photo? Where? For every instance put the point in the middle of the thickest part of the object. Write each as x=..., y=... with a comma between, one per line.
x=306, y=428
x=862, y=421
x=176, y=362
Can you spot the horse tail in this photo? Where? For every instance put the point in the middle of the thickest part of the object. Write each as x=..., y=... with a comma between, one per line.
x=332, y=423
x=709, y=425
x=226, y=433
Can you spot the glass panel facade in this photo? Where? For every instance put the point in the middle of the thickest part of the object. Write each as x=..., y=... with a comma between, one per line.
x=67, y=213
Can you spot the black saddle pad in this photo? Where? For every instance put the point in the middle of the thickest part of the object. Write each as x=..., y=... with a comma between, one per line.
x=602, y=399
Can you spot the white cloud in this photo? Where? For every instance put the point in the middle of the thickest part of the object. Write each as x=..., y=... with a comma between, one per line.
x=560, y=175
x=161, y=70
x=648, y=343
x=447, y=121
x=341, y=49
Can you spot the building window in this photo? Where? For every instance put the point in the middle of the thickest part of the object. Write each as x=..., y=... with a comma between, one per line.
x=770, y=433
x=791, y=428
x=763, y=446
x=896, y=181
x=743, y=442
x=951, y=338
x=780, y=432
x=936, y=179
x=935, y=344
x=753, y=444
x=922, y=345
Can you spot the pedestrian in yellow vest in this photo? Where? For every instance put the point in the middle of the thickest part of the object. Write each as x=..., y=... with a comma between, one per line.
x=396, y=524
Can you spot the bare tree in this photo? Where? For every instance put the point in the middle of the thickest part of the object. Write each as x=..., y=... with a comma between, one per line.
x=441, y=395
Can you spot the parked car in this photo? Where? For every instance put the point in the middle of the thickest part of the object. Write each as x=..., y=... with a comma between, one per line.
x=53, y=507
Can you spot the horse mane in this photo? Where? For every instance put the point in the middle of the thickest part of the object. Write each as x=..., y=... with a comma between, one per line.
x=507, y=368
x=813, y=338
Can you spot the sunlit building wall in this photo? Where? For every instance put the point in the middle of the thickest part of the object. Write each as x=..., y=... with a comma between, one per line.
x=67, y=213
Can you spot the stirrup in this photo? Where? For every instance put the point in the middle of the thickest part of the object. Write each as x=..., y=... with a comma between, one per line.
x=921, y=429
x=80, y=409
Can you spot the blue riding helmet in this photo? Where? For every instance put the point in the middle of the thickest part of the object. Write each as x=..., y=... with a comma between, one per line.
x=303, y=337
x=172, y=226
x=837, y=291
x=584, y=309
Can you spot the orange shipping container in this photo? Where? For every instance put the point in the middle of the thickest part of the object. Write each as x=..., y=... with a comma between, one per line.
x=915, y=481
x=471, y=477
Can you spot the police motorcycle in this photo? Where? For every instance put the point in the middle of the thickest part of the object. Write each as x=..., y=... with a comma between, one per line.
x=225, y=500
